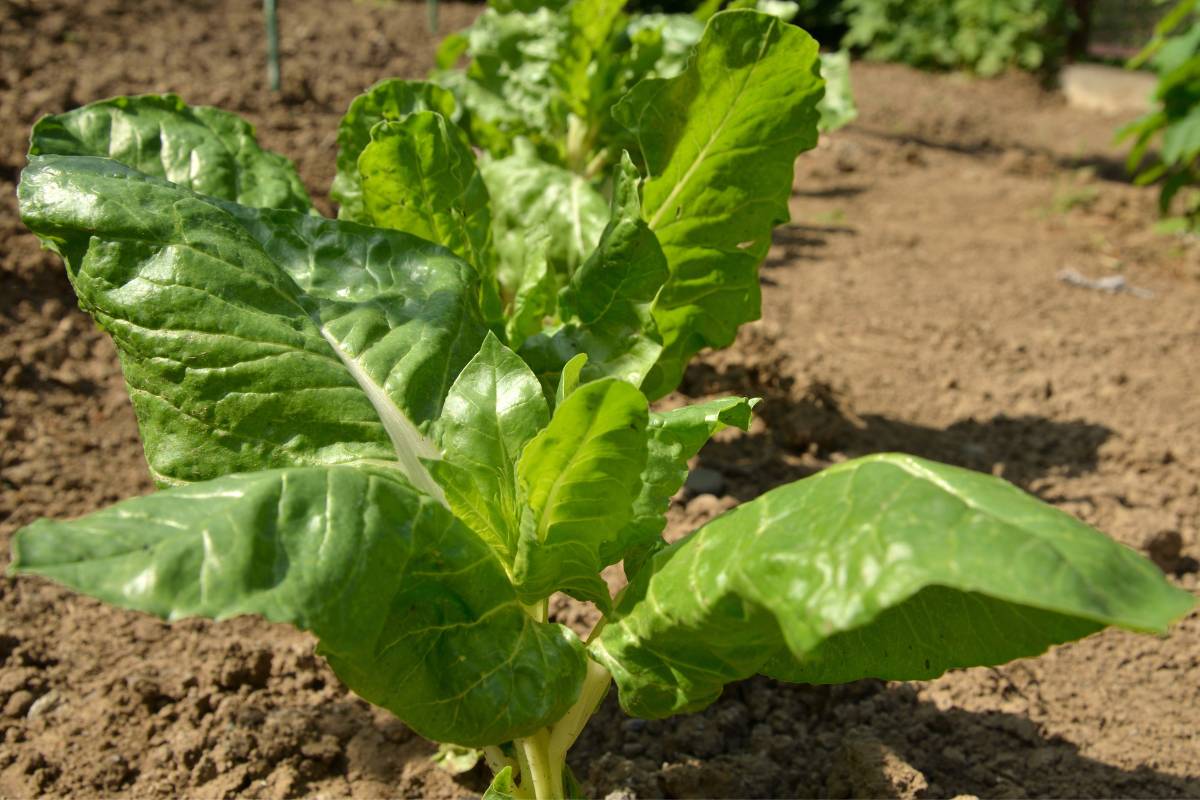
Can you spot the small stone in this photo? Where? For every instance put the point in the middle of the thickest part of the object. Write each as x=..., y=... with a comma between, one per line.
x=18, y=703
x=703, y=480
x=44, y=704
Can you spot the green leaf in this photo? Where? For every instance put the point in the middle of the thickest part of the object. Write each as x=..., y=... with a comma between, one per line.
x=418, y=175
x=392, y=100
x=674, y=437
x=579, y=478
x=719, y=142
x=570, y=378
x=503, y=787
x=204, y=149
x=529, y=194
x=413, y=612
x=536, y=296
x=606, y=305
x=887, y=566
x=492, y=411
x=253, y=339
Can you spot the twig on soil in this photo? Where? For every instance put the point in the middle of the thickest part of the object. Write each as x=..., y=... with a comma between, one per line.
x=1113, y=284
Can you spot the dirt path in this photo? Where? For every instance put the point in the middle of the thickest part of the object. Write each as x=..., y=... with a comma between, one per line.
x=913, y=305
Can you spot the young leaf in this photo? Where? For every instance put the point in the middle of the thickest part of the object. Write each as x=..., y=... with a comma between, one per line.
x=418, y=175
x=674, y=437
x=492, y=411
x=413, y=612
x=579, y=478
x=719, y=142
x=527, y=195
x=393, y=100
x=253, y=339
x=502, y=787
x=606, y=305
x=887, y=566
x=204, y=149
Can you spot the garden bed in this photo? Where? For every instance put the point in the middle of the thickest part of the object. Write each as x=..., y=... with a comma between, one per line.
x=914, y=304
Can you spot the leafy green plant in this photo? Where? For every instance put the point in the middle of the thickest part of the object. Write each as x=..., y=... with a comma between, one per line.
x=1174, y=54
x=985, y=36
x=351, y=435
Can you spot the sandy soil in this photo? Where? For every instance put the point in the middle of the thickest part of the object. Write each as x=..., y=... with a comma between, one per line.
x=912, y=305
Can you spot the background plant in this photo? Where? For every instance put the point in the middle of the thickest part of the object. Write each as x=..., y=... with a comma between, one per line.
x=347, y=443
x=1174, y=125
x=984, y=36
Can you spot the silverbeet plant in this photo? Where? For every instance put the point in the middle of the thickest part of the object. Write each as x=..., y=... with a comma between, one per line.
x=364, y=428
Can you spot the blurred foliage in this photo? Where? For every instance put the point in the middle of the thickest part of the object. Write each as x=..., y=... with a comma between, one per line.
x=985, y=36
x=1174, y=124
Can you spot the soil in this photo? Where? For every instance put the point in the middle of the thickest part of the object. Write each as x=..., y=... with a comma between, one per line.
x=914, y=304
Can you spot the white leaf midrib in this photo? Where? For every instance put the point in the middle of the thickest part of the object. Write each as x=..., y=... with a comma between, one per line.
x=410, y=445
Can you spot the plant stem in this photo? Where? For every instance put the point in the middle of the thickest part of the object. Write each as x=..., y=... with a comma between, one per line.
x=536, y=749
x=564, y=732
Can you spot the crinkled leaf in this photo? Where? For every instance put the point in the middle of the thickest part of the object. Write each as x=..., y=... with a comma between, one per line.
x=536, y=296
x=418, y=175
x=579, y=478
x=492, y=411
x=673, y=438
x=719, y=142
x=393, y=100
x=606, y=305
x=887, y=566
x=413, y=612
x=527, y=195
x=205, y=149
x=252, y=338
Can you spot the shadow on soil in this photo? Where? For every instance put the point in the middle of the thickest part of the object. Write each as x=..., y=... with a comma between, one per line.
x=864, y=739
x=806, y=429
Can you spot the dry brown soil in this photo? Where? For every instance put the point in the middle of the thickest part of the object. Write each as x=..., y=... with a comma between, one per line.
x=913, y=305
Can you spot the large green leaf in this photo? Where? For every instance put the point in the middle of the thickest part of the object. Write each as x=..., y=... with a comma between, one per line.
x=531, y=197
x=674, y=437
x=418, y=175
x=412, y=610
x=606, y=304
x=579, y=478
x=719, y=141
x=492, y=411
x=393, y=100
x=253, y=339
x=886, y=566
x=205, y=149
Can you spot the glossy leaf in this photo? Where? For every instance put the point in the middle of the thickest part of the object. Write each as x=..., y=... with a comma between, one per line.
x=204, y=149
x=392, y=100
x=413, y=612
x=492, y=411
x=719, y=142
x=887, y=566
x=418, y=175
x=579, y=478
x=253, y=339
x=531, y=197
x=674, y=437
x=535, y=299
x=606, y=305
